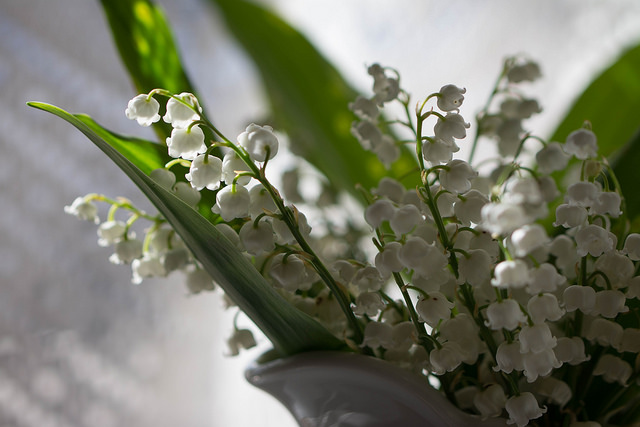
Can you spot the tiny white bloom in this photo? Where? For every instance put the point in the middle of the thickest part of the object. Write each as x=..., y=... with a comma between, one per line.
x=446, y=358
x=199, y=280
x=186, y=143
x=569, y=216
x=379, y=211
x=539, y=364
x=490, y=402
x=110, y=232
x=147, y=266
x=528, y=238
x=378, y=334
x=594, y=240
x=576, y=297
x=434, y=308
x=570, y=350
x=368, y=279
x=582, y=143
x=289, y=272
x=610, y=303
x=456, y=176
x=450, y=97
x=544, y=307
x=164, y=178
x=523, y=408
x=613, y=369
x=405, y=219
x=605, y=332
x=233, y=202
x=144, y=109
x=260, y=142
x=544, y=278
x=257, y=238
x=365, y=109
x=126, y=251
x=509, y=357
x=232, y=165
x=505, y=314
x=205, y=171
x=524, y=72
x=632, y=246
x=536, y=338
x=452, y=126
x=369, y=303
x=83, y=209
x=187, y=193
x=179, y=114
x=367, y=133
x=551, y=158
x=241, y=339
x=511, y=274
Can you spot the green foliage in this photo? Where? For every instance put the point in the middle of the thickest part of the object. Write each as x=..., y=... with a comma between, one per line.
x=145, y=42
x=308, y=97
x=290, y=330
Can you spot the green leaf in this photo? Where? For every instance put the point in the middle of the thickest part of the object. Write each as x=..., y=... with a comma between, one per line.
x=147, y=156
x=290, y=330
x=611, y=103
x=147, y=48
x=625, y=167
x=309, y=98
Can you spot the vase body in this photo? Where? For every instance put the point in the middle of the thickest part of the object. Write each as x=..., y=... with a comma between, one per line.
x=333, y=389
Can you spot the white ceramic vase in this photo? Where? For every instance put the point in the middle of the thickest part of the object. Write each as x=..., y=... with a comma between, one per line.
x=333, y=389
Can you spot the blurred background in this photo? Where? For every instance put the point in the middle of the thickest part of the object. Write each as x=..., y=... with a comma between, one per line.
x=79, y=344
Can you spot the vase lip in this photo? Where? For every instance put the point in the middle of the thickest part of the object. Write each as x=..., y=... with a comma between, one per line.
x=339, y=369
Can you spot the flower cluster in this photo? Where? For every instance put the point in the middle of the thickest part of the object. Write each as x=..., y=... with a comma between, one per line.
x=515, y=314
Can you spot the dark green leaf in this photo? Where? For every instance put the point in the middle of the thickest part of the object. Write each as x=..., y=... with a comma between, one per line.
x=144, y=40
x=611, y=103
x=625, y=166
x=309, y=98
x=290, y=330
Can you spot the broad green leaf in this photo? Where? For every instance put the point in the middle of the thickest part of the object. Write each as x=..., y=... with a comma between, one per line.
x=309, y=98
x=147, y=156
x=625, y=163
x=290, y=330
x=611, y=103
x=147, y=48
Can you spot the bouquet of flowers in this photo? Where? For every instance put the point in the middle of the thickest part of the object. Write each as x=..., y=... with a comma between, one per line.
x=511, y=284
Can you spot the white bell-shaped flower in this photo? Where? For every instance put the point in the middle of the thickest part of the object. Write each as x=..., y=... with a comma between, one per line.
x=187, y=193
x=476, y=267
x=551, y=158
x=144, y=109
x=175, y=259
x=425, y=259
x=569, y=216
x=544, y=278
x=452, y=126
x=490, y=401
x=505, y=314
x=509, y=358
x=548, y=189
x=525, y=72
x=379, y=211
x=630, y=340
x=523, y=408
x=503, y=218
x=511, y=274
x=582, y=193
x=257, y=238
x=536, y=338
x=241, y=339
x=391, y=189
x=205, y=171
x=261, y=201
x=450, y=97
x=469, y=206
x=365, y=109
x=582, y=143
x=607, y=203
x=283, y=233
x=557, y=391
x=570, y=350
x=633, y=291
x=164, y=178
x=509, y=134
x=610, y=303
x=368, y=279
x=388, y=261
x=405, y=219
x=232, y=166
x=403, y=335
x=126, y=251
x=367, y=133
x=576, y=297
x=522, y=191
x=456, y=176
x=83, y=209
x=446, y=358
x=369, y=303
x=613, y=369
x=434, y=308
x=564, y=249
x=110, y=232
x=438, y=151
x=632, y=246
x=385, y=88
x=544, y=307
x=179, y=114
x=594, y=240
x=260, y=142
x=463, y=330
x=198, y=280
x=186, y=142
x=387, y=151
x=539, y=364
x=605, y=332
x=445, y=202
x=233, y=202
x=528, y=238
x=344, y=270
x=378, y=334
x=147, y=266
x=289, y=272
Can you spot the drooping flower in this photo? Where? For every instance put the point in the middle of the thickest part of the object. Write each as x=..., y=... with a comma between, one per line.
x=523, y=408
x=505, y=314
x=434, y=308
x=110, y=232
x=205, y=171
x=524, y=72
x=452, y=126
x=594, y=240
x=613, y=369
x=126, y=251
x=450, y=97
x=232, y=202
x=144, y=109
x=582, y=143
x=186, y=142
x=490, y=402
x=456, y=176
x=179, y=114
x=241, y=339
x=260, y=142
x=83, y=209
